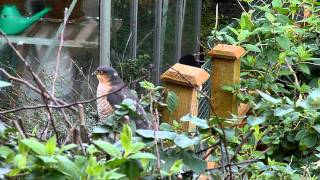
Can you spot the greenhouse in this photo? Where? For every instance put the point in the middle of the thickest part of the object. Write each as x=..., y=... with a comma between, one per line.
x=159, y=89
x=130, y=35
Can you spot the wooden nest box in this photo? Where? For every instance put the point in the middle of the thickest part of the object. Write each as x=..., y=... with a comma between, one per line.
x=183, y=80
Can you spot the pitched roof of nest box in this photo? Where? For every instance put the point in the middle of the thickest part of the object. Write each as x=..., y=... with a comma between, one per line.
x=185, y=75
x=224, y=51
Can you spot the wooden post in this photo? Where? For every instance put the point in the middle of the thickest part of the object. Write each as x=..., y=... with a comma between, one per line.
x=182, y=80
x=225, y=71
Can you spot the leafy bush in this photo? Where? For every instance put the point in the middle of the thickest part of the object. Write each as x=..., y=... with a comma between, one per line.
x=282, y=63
x=278, y=139
x=34, y=160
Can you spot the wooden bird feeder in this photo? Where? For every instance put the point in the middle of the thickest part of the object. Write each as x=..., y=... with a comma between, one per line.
x=225, y=71
x=183, y=80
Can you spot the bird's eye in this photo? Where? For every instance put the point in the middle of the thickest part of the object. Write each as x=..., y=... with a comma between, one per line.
x=100, y=72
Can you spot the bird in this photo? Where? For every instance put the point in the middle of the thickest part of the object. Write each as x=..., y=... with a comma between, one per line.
x=114, y=91
x=189, y=60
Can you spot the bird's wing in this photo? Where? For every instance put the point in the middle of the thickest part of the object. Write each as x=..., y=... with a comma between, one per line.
x=117, y=98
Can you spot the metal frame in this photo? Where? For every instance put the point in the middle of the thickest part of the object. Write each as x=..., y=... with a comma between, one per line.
x=105, y=31
x=157, y=41
x=134, y=28
x=197, y=28
x=178, y=28
x=20, y=40
x=58, y=33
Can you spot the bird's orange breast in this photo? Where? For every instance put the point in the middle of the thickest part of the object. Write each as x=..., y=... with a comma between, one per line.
x=103, y=106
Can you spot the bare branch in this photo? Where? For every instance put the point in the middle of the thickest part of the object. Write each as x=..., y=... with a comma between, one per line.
x=36, y=78
x=71, y=104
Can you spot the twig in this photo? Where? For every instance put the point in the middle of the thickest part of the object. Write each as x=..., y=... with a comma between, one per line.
x=59, y=52
x=240, y=163
x=50, y=116
x=210, y=147
x=235, y=164
x=16, y=124
x=71, y=104
x=217, y=17
x=22, y=81
x=154, y=132
x=296, y=80
x=36, y=78
x=243, y=141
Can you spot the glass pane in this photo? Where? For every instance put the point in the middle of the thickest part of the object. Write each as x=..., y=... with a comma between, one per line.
x=187, y=45
x=168, y=34
x=79, y=56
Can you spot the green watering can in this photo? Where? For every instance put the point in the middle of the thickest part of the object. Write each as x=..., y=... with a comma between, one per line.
x=11, y=21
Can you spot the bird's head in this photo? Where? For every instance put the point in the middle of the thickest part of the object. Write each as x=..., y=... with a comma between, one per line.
x=106, y=74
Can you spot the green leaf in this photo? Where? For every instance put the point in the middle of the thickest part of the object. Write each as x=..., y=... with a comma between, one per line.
x=4, y=84
x=284, y=42
x=68, y=167
x=184, y=141
x=68, y=147
x=270, y=17
x=301, y=134
x=129, y=103
x=277, y=3
x=126, y=137
x=172, y=101
x=5, y=152
x=253, y=121
x=304, y=68
x=282, y=111
x=2, y=127
x=230, y=39
x=35, y=146
x=176, y=167
x=3, y=172
x=194, y=163
x=253, y=48
x=317, y=128
x=136, y=148
x=269, y=98
x=113, y=175
x=100, y=130
x=107, y=148
x=20, y=161
x=158, y=134
x=201, y=123
x=165, y=127
x=245, y=22
x=48, y=159
x=147, y=85
x=309, y=141
x=51, y=145
x=142, y=156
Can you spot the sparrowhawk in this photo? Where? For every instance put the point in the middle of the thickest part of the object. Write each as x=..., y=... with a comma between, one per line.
x=110, y=83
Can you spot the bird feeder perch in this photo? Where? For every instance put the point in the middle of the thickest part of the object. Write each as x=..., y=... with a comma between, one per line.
x=225, y=71
x=183, y=81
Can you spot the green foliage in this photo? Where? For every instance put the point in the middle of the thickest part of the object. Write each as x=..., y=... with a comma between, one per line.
x=32, y=158
x=279, y=80
x=4, y=84
x=278, y=139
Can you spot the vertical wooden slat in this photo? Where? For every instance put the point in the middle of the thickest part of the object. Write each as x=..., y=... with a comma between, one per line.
x=183, y=81
x=225, y=71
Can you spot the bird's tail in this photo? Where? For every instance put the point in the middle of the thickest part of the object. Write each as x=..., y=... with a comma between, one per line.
x=144, y=122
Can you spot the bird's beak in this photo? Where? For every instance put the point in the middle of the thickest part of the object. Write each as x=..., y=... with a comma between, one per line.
x=94, y=73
